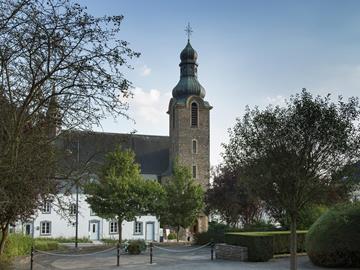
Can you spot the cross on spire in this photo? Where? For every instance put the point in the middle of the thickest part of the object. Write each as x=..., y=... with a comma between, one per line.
x=188, y=30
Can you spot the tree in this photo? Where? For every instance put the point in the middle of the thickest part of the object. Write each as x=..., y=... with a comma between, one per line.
x=230, y=197
x=121, y=193
x=289, y=154
x=184, y=199
x=52, y=52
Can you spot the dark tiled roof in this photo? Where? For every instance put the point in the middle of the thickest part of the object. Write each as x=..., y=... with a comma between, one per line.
x=152, y=152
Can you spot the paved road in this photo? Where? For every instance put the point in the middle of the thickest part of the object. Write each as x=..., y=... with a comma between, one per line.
x=183, y=260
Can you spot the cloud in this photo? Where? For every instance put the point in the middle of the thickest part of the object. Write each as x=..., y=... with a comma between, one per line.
x=145, y=71
x=279, y=100
x=150, y=106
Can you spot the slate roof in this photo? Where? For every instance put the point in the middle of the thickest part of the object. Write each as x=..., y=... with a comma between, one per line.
x=152, y=152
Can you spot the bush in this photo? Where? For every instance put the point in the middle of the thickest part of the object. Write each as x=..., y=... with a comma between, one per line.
x=215, y=233
x=64, y=240
x=45, y=245
x=333, y=240
x=17, y=245
x=136, y=246
x=171, y=236
x=260, y=247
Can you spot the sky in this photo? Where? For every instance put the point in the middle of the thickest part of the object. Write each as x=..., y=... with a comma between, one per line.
x=251, y=53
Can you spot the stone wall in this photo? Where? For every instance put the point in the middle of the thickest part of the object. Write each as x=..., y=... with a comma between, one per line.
x=230, y=252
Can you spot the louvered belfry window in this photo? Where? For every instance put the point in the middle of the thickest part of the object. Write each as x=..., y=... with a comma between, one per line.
x=194, y=114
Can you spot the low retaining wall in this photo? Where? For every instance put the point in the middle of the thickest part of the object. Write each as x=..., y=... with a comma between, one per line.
x=230, y=252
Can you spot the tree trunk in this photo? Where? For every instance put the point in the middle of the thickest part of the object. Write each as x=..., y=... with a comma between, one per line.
x=5, y=233
x=293, y=244
x=177, y=233
x=120, y=231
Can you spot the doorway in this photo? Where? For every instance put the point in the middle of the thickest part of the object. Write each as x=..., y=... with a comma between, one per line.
x=150, y=231
x=94, y=230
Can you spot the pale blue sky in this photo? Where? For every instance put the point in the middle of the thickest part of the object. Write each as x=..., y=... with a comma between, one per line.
x=250, y=53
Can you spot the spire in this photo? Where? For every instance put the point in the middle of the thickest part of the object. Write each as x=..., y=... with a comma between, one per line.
x=53, y=114
x=188, y=84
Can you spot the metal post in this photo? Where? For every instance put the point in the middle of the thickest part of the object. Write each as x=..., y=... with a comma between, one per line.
x=151, y=253
x=118, y=255
x=212, y=251
x=77, y=215
x=31, y=257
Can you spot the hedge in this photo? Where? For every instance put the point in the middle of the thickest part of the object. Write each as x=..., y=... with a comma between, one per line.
x=260, y=247
x=334, y=239
x=263, y=245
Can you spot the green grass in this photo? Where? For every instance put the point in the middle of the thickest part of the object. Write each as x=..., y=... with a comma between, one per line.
x=64, y=240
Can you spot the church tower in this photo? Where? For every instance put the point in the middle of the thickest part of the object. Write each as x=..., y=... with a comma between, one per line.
x=189, y=124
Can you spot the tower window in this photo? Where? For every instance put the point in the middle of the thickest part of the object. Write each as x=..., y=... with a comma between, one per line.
x=173, y=117
x=194, y=114
x=194, y=171
x=194, y=146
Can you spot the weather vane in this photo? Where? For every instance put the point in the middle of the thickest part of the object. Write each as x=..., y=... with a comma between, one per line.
x=188, y=30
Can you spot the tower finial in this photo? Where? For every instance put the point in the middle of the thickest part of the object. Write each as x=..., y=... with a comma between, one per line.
x=188, y=30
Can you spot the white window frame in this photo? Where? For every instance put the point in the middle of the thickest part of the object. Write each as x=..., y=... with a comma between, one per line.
x=46, y=207
x=141, y=228
x=47, y=228
x=113, y=227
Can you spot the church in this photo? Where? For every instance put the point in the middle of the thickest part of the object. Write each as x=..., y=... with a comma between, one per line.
x=188, y=141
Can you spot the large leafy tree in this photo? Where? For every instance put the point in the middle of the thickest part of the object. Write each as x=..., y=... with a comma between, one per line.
x=121, y=193
x=231, y=199
x=184, y=199
x=289, y=154
x=52, y=53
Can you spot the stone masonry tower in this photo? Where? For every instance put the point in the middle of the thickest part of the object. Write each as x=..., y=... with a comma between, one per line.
x=189, y=125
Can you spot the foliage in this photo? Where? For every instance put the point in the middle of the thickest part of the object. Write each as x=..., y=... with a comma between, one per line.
x=136, y=246
x=60, y=66
x=184, y=199
x=333, y=240
x=171, y=236
x=121, y=193
x=260, y=247
x=229, y=197
x=63, y=239
x=19, y=245
x=290, y=154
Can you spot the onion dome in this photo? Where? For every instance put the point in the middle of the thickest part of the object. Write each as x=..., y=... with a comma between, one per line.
x=188, y=84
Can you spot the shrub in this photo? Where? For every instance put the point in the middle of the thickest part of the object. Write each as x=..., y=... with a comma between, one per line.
x=260, y=247
x=109, y=241
x=171, y=236
x=17, y=245
x=136, y=246
x=333, y=240
x=45, y=245
x=64, y=240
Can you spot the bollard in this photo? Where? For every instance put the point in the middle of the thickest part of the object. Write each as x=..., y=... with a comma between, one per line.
x=212, y=251
x=151, y=253
x=118, y=255
x=31, y=257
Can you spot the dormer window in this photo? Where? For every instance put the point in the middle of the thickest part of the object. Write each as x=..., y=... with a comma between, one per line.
x=194, y=115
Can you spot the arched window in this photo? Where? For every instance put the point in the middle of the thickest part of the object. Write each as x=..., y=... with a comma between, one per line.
x=194, y=114
x=194, y=146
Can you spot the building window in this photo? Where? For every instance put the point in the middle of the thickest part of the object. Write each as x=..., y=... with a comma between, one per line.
x=194, y=114
x=113, y=227
x=73, y=209
x=194, y=171
x=46, y=207
x=194, y=146
x=173, y=117
x=138, y=227
x=45, y=228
